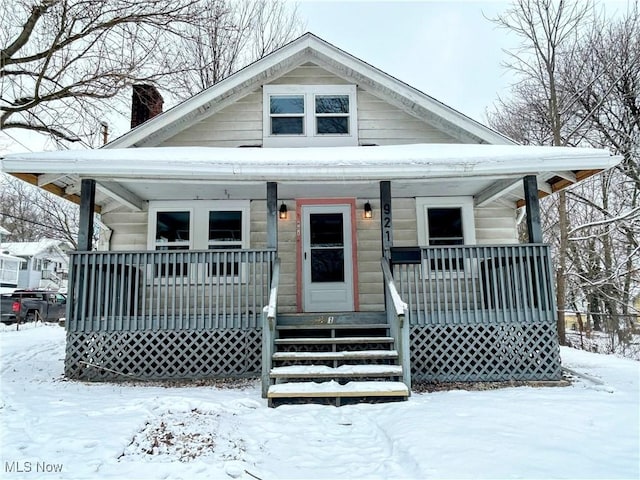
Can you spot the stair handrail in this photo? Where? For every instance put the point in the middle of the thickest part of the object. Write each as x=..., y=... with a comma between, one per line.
x=269, y=317
x=398, y=318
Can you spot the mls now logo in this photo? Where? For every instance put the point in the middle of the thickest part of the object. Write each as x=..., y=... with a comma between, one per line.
x=28, y=467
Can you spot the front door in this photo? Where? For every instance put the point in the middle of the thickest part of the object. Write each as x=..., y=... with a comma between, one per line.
x=327, y=258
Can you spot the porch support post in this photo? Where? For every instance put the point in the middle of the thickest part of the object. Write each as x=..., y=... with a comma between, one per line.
x=533, y=208
x=386, y=221
x=87, y=207
x=272, y=215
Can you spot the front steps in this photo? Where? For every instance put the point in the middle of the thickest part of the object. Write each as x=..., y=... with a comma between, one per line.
x=336, y=359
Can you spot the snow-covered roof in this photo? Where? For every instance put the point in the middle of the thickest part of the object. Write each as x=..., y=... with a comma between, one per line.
x=30, y=249
x=132, y=176
x=312, y=164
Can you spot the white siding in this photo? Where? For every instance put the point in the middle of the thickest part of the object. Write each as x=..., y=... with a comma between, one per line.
x=240, y=124
x=129, y=230
x=383, y=124
x=237, y=125
x=309, y=74
x=495, y=224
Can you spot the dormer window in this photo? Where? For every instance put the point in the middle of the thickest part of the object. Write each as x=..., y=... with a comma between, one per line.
x=287, y=114
x=309, y=115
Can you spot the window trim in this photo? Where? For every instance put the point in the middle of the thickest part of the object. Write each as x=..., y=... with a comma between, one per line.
x=198, y=220
x=310, y=137
x=199, y=225
x=465, y=203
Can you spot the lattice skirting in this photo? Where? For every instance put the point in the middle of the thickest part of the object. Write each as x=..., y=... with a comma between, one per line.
x=485, y=353
x=165, y=354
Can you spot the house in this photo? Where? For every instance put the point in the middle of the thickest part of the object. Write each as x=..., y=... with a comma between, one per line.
x=10, y=267
x=311, y=218
x=45, y=263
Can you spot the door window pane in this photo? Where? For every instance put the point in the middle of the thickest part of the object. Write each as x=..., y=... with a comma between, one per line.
x=326, y=230
x=327, y=265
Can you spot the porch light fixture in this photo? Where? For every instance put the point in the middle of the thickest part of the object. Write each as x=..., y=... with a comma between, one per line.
x=282, y=213
x=367, y=210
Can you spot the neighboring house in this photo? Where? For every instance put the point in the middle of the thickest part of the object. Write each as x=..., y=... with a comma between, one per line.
x=45, y=265
x=9, y=267
x=361, y=212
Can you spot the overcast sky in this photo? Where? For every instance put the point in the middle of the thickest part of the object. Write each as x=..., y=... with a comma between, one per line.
x=446, y=49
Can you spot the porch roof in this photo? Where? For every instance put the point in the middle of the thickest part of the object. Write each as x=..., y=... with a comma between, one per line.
x=488, y=172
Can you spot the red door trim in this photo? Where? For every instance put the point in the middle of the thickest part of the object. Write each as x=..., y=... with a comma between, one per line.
x=354, y=245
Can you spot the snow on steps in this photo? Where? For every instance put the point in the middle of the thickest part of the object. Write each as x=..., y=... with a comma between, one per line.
x=343, y=371
x=334, y=389
x=343, y=355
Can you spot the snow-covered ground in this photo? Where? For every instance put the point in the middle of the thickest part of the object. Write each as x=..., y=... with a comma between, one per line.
x=52, y=428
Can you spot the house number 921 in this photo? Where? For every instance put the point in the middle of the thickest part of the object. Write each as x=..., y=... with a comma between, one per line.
x=386, y=223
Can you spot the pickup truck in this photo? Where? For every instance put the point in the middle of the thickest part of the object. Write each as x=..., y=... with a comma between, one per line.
x=29, y=305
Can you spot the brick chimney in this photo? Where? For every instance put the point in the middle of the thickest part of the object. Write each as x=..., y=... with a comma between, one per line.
x=146, y=103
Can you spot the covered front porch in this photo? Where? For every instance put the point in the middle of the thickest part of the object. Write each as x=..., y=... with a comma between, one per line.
x=454, y=312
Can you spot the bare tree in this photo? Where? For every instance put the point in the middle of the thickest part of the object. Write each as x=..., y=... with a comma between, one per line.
x=547, y=30
x=231, y=35
x=65, y=63
x=30, y=213
x=597, y=87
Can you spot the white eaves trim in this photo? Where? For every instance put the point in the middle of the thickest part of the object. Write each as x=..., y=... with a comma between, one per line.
x=419, y=161
x=306, y=47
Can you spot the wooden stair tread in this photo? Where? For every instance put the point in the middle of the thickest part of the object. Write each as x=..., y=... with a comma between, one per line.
x=336, y=340
x=334, y=389
x=336, y=326
x=343, y=355
x=323, y=371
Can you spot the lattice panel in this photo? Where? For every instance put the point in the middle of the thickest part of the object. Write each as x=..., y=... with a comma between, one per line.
x=485, y=353
x=165, y=354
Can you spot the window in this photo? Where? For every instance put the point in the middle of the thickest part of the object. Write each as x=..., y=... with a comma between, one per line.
x=445, y=226
x=445, y=221
x=332, y=114
x=225, y=232
x=309, y=115
x=198, y=225
x=287, y=114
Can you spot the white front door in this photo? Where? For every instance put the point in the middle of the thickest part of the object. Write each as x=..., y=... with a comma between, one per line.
x=327, y=258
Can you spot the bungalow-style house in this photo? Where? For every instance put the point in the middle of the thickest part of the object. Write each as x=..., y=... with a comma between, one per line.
x=314, y=220
x=45, y=265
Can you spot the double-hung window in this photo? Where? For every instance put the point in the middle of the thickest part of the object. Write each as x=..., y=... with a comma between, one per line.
x=445, y=221
x=309, y=115
x=199, y=225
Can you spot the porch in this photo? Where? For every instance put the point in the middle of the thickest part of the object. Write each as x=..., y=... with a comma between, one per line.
x=472, y=313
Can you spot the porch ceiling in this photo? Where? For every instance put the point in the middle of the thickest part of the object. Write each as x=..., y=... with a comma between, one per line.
x=130, y=177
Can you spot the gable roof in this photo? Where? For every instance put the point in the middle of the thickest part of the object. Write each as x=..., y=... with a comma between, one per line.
x=308, y=48
x=31, y=249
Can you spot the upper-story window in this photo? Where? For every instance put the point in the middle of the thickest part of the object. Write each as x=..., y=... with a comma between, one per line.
x=309, y=115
